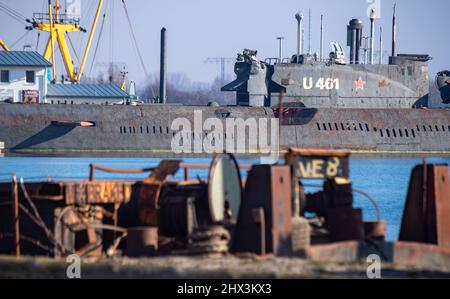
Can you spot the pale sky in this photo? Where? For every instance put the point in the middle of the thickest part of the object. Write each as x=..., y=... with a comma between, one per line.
x=198, y=29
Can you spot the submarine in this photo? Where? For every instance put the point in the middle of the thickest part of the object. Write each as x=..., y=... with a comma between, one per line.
x=320, y=103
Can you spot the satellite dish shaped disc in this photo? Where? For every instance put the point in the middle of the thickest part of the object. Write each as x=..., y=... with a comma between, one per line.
x=224, y=184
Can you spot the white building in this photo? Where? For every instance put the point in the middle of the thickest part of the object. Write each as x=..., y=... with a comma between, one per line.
x=23, y=76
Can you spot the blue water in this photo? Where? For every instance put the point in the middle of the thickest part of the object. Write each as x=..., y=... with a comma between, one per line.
x=385, y=180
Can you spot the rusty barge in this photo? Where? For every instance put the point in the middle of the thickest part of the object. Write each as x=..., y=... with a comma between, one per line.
x=266, y=220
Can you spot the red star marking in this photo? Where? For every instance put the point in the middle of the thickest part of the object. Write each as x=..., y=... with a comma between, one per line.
x=360, y=84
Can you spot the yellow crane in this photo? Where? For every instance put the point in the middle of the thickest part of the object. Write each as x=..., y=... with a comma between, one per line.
x=3, y=45
x=57, y=25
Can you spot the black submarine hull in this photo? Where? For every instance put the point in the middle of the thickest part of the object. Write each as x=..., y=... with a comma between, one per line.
x=148, y=128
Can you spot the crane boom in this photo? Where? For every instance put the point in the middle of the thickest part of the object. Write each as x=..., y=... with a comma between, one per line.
x=52, y=40
x=91, y=34
x=4, y=46
x=58, y=25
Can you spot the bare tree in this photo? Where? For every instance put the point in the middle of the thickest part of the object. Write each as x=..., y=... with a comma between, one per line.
x=181, y=90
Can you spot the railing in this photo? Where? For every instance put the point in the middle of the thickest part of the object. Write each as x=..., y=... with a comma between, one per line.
x=63, y=18
x=185, y=167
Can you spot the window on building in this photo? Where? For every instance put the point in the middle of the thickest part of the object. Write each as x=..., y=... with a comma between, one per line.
x=4, y=76
x=31, y=76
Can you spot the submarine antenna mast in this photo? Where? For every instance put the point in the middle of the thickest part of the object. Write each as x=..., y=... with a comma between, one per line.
x=381, y=45
x=280, y=49
x=394, y=31
x=163, y=68
x=299, y=17
x=310, y=32
x=321, y=38
x=372, y=34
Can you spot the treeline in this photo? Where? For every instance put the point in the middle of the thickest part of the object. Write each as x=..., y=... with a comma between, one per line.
x=181, y=90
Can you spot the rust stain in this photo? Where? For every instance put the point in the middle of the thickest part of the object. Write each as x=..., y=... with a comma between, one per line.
x=384, y=83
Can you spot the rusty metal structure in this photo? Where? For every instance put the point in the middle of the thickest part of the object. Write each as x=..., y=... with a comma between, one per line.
x=93, y=217
x=268, y=213
x=428, y=206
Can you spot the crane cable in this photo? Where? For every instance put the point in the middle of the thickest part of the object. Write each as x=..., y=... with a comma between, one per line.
x=134, y=38
x=73, y=47
x=97, y=45
x=13, y=13
x=20, y=38
x=136, y=45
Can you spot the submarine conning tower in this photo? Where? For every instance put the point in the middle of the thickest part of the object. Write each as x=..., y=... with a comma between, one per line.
x=309, y=81
x=443, y=84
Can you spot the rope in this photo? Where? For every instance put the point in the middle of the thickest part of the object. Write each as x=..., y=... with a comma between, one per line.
x=98, y=43
x=73, y=48
x=20, y=38
x=30, y=240
x=134, y=38
x=13, y=13
x=38, y=219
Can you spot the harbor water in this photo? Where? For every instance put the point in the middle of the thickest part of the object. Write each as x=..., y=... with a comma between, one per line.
x=384, y=179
